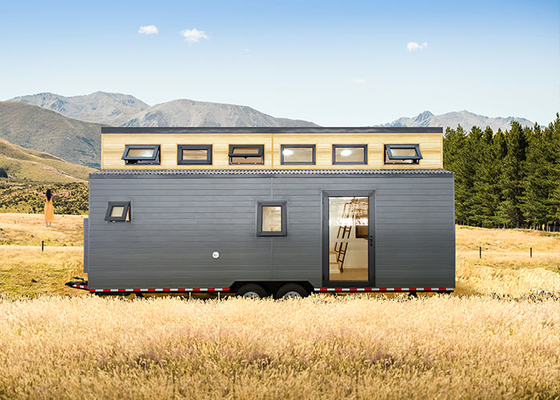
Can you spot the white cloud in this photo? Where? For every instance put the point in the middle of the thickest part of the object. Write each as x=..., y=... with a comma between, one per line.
x=194, y=35
x=358, y=81
x=148, y=30
x=413, y=46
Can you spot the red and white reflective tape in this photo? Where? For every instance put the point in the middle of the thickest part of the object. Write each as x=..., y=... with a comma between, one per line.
x=384, y=289
x=159, y=290
x=80, y=286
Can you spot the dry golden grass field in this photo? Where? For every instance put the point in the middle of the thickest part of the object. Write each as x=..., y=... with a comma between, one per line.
x=494, y=338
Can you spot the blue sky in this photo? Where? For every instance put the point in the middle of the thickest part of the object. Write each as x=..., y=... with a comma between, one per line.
x=336, y=63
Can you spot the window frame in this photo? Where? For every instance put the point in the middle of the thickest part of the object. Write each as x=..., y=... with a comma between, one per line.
x=353, y=146
x=283, y=213
x=127, y=210
x=415, y=159
x=155, y=159
x=181, y=147
x=260, y=153
x=298, y=146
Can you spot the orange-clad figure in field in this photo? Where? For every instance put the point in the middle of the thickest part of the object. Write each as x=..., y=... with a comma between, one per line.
x=49, y=208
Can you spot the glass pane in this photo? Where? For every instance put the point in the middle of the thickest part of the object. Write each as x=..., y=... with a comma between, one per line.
x=348, y=238
x=140, y=153
x=117, y=212
x=195, y=155
x=246, y=160
x=397, y=152
x=389, y=161
x=298, y=154
x=272, y=219
x=403, y=152
x=246, y=150
x=349, y=154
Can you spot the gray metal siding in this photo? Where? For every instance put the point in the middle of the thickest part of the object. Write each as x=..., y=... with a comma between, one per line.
x=178, y=222
x=86, y=245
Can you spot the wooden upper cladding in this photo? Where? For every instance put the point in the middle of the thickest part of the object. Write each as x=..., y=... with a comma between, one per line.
x=429, y=141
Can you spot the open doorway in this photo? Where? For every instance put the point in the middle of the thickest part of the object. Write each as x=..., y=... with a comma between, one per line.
x=350, y=242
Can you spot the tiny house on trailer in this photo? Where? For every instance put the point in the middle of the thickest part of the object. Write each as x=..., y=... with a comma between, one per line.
x=270, y=211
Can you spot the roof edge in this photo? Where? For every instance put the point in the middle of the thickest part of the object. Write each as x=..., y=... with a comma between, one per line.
x=221, y=130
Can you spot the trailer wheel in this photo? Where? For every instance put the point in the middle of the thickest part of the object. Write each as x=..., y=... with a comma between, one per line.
x=252, y=291
x=291, y=291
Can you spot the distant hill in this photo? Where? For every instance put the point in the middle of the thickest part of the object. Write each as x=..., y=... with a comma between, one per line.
x=117, y=109
x=24, y=165
x=99, y=107
x=35, y=128
x=464, y=118
x=198, y=113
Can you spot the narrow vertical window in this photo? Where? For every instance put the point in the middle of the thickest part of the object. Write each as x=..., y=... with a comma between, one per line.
x=118, y=211
x=188, y=154
x=271, y=218
x=349, y=154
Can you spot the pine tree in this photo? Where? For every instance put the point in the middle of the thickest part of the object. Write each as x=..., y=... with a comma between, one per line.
x=453, y=151
x=554, y=200
x=511, y=179
x=538, y=182
x=499, y=150
x=486, y=189
x=469, y=168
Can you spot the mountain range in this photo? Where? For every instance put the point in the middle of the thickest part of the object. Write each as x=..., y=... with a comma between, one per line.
x=99, y=107
x=70, y=127
x=117, y=109
x=464, y=118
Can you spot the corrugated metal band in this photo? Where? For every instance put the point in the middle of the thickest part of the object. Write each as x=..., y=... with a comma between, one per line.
x=268, y=172
x=384, y=289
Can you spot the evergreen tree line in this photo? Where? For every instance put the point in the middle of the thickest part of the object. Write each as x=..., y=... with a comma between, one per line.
x=506, y=179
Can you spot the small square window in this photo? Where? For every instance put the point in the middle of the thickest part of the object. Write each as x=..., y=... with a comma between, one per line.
x=271, y=218
x=141, y=154
x=118, y=211
x=246, y=154
x=297, y=154
x=349, y=154
x=402, y=154
x=194, y=154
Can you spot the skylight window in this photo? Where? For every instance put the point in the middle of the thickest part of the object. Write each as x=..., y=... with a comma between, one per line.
x=194, y=154
x=141, y=154
x=297, y=154
x=402, y=154
x=349, y=154
x=246, y=154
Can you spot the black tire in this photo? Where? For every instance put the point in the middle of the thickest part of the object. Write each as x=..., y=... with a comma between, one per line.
x=252, y=291
x=291, y=291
